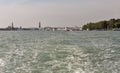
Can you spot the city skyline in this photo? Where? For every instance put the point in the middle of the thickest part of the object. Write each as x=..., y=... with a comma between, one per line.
x=28, y=13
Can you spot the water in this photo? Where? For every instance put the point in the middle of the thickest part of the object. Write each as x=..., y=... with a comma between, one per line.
x=59, y=52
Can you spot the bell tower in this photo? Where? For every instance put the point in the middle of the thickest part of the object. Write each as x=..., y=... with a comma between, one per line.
x=12, y=26
x=39, y=25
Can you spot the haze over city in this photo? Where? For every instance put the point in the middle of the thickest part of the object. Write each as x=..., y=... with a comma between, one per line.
x=28, y=13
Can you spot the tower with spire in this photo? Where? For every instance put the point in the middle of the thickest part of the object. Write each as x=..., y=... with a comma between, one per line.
x=12, y=26
x=39, y=25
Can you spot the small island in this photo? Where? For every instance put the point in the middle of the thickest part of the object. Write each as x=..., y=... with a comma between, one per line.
x=112, y=24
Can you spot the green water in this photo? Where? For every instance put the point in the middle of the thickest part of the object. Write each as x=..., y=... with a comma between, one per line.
x=59, y=52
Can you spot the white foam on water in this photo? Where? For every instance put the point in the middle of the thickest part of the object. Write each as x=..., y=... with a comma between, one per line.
x=2, y=62
x=79, y=71
x=69, y=67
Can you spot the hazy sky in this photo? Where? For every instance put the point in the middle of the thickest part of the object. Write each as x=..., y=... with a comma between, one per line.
x=28, y=13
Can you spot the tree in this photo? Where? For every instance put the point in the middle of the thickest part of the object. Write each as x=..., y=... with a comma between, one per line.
x=111, y=23
x=117, y=25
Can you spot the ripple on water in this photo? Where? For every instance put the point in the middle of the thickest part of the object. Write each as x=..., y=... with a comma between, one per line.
x=63, y=52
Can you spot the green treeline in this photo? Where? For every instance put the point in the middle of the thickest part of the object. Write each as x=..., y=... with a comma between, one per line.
x=103, y=25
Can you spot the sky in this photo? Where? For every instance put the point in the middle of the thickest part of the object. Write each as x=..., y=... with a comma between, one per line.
x=56, y=13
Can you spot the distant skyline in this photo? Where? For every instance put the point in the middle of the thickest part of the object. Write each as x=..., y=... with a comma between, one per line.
x=28, y=13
